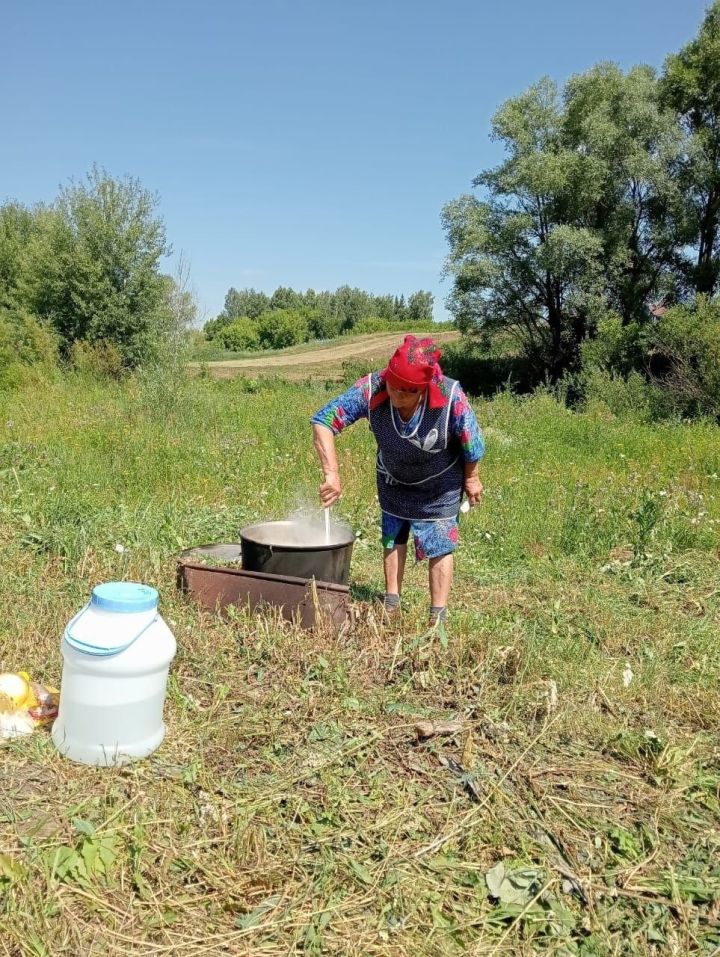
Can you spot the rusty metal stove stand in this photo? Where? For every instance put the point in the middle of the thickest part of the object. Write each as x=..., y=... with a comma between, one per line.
x=299, y=599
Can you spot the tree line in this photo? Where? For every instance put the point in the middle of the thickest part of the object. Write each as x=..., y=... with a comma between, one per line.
x=82, y=283
x=598, y=235
x=589, y=255
x=255, y=320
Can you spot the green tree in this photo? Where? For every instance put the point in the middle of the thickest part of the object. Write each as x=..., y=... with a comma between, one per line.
x=571, y=225
x=326, y=314
x=92, y=267
x=281, y=328
x=18, y=225
x=690, y=85
x=630, y=145
x=241, y=335
x=420, y=307
x=322, y=325
x=213, y=327
x=384, y=307
x=285, y=298
x=686, y=347
x=351, y=305
x=245, y=302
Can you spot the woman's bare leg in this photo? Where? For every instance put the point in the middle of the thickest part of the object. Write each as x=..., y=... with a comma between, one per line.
x=441, y=576
x=394, y=567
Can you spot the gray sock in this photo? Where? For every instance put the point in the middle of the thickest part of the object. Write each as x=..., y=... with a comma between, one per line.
x=438, y=613
x=391, y=601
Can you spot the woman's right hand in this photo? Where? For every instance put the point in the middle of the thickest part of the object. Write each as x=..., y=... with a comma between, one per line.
x=330, y=490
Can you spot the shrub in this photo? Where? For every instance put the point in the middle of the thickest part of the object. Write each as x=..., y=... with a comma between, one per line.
x=281, y=328
x=353, y=369
x=485, y=370
x=24, y=341
x=616, y=348
x=372, y=324
x=24, y=338
x=323, y=326
x=378, y=324
x=630, y=397
x=213, y=327
x=240, y=335
x=194, y=340
x=686, y=360
x=102, y=359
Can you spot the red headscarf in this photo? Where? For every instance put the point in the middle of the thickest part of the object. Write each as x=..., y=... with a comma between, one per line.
x=414, y=366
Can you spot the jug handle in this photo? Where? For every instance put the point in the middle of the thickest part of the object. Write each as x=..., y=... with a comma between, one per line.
x=76, y=619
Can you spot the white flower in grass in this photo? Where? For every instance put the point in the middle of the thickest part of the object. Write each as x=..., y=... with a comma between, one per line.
x=627, y=675
x=120, y=549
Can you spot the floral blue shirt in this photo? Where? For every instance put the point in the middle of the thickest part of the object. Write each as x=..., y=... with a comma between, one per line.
x=354, y=404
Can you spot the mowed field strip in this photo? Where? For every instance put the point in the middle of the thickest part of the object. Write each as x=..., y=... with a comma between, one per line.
x=322, y=361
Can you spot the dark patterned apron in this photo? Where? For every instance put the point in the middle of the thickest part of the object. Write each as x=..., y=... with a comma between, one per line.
x=420, y=475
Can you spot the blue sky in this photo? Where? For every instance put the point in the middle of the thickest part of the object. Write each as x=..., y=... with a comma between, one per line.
x=308, y=143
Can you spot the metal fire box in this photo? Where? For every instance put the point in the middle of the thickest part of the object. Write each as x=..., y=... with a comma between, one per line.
x=299, y=599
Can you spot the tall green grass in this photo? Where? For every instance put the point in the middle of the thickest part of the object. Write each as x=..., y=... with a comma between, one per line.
x=291, y=809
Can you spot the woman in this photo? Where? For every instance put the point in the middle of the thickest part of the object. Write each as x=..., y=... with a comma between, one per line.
x=429, y=446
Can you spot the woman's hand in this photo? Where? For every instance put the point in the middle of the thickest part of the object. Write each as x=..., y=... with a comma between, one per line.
x=330, y=490
x=473, y=489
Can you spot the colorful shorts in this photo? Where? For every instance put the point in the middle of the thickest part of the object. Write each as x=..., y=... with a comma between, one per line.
x=432, y=539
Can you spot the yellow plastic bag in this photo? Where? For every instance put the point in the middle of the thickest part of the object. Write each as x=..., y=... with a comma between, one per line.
x=25, y=704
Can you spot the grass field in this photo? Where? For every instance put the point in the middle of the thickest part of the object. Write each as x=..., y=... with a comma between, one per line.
x=292, y=808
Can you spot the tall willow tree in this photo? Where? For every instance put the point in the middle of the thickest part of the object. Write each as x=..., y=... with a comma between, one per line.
x=690, y=86
x=572, y=226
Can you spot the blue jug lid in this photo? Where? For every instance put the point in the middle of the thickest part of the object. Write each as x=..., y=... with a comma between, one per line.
x=124, y=597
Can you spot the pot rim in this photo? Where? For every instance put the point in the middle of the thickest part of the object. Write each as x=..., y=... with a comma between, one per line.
x=246, y=535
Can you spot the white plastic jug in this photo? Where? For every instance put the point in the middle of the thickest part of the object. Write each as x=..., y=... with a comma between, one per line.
x=117, y=653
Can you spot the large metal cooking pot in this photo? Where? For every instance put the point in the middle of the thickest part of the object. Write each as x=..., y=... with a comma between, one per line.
x=298, y=548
